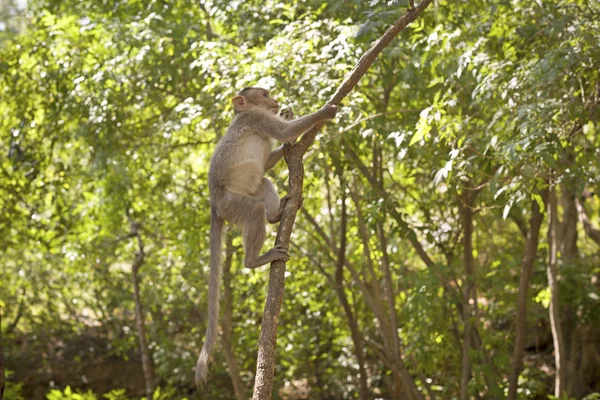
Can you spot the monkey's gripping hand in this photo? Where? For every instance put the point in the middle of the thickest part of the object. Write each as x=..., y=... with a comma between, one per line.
x=287, y=114
x=328, y=111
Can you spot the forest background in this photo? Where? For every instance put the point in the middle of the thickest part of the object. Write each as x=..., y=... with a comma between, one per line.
x=449, y=239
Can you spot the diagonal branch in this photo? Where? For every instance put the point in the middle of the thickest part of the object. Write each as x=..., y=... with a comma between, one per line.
x=265, y=366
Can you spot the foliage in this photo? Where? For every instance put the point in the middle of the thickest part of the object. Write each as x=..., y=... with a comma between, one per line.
x=69, y=394
x=109, y=108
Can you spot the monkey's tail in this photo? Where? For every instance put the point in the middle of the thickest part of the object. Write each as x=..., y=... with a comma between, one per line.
x=216, y=232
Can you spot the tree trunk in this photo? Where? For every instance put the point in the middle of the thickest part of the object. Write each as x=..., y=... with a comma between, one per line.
x=377, y=305
x=526, y=269
x=234, y=373
x=357, y=340
x=568, y=227
x=409, y=382
x=552, y=273
x=339, y=290
x=574, y=334
x=2, y=382
x=468, y=289
x=265, y=365
x=147, y=364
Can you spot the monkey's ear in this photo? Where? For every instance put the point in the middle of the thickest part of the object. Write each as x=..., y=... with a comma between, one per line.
x=239, y=102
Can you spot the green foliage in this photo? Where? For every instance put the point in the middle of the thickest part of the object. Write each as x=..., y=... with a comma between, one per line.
x=12, y=391
x=110, y=108
x=119, y=394
x=69, y=394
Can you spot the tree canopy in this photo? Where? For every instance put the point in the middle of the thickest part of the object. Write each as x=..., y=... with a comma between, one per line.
x=448, y=245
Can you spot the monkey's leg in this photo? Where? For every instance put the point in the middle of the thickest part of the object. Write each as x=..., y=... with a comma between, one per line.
x=273, y=204
x=250, y=213
x=255, y=232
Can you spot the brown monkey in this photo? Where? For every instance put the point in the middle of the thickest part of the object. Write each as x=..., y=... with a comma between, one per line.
x=240, y=193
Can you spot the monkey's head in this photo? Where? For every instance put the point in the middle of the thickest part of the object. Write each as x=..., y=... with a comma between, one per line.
x=253, y=97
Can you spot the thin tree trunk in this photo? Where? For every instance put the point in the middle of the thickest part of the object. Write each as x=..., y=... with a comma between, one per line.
x=388, y=333
x=389, y=290
x=2, y=381
x=568, y=228
x=234, y=372
x=391, y=302
x=339, y=289
x=147, y=364
x=468, y=290
x=412, y=237
x=265, y=365
x=531, y=247
x=552, y=273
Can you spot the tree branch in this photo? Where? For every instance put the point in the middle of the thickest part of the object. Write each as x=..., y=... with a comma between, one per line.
x=265, y=366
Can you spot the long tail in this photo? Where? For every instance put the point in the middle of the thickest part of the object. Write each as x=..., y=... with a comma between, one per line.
x=216, y=232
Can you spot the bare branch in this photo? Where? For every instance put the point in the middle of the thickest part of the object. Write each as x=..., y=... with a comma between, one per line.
x=293, y=154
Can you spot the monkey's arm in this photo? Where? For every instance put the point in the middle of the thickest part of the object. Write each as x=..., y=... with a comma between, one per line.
x=298, y=126
x=288, y=131
x=274, y=158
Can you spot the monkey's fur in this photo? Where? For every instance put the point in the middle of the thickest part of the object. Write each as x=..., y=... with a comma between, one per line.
x=240, y=194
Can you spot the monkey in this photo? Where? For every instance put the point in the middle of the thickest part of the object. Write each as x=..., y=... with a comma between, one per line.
x=242, y=195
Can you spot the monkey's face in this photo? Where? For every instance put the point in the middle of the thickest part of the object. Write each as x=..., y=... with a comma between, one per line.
x=255, y=98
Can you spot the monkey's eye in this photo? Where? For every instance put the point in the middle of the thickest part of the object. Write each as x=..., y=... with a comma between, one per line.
x=266, y=94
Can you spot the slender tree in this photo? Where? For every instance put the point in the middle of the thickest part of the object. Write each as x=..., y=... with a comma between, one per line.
x=140, y=255
x=293, y=154
x=552, y=273
x=2, y=383
x=531, y=246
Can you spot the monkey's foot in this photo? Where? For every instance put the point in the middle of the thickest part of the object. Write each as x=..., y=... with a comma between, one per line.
x=284, y=201
x=277, y=253
x=273, y=219
x=286, y=198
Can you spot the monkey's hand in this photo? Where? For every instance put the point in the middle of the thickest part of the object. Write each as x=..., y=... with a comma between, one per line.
x=328, y=111
x=287, y=114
